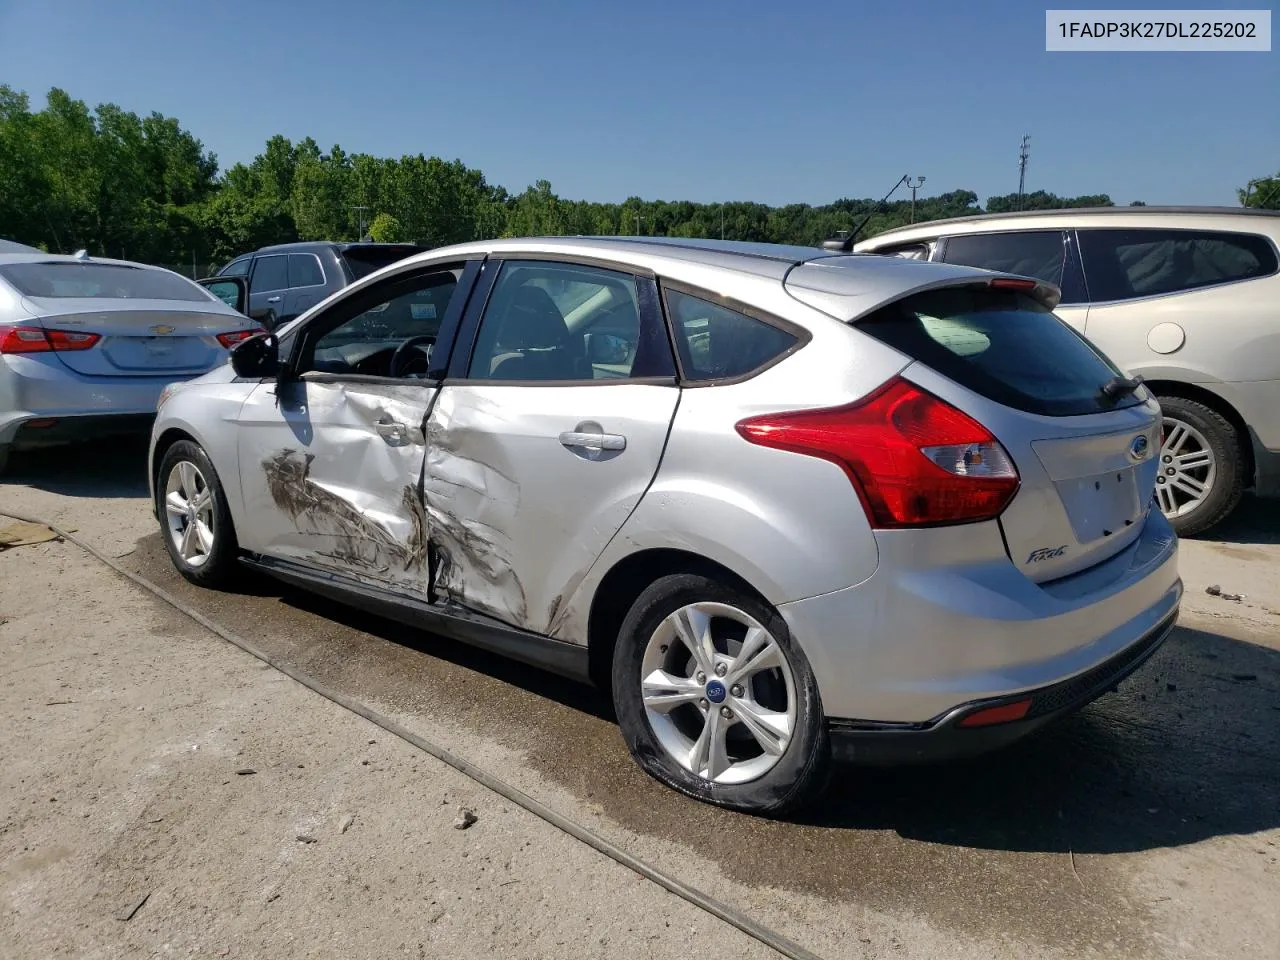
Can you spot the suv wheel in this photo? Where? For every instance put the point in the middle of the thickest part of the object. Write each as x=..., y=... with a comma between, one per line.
x=1201, y=477
x=715, y=699
x=193, y=509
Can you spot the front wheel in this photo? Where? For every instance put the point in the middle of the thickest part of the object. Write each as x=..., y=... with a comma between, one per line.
x=193, y=513
x=715, y=699
x=1201, y=477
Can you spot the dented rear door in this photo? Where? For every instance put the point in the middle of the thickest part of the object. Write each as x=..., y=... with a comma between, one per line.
x=545, y=435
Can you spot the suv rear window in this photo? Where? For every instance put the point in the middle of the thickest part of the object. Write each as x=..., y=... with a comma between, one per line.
x=1001, y=344
x=59, y=279
x=364, y=260
x=1126, y=264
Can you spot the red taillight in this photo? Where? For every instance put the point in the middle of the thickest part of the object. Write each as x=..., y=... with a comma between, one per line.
x=37, y=340
x=1004, y=713
x=230, y=339
x=915, y=460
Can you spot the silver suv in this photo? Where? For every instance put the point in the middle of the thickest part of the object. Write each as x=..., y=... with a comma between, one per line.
x=779, y=503
x=1186, y=297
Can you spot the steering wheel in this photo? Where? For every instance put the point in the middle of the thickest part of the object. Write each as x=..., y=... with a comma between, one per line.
x=404, y=357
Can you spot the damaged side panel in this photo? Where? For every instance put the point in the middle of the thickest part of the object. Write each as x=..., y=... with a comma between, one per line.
x=331, y=477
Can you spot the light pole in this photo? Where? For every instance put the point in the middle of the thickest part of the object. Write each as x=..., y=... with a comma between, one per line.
x=638, y=219
x=361, y=211
x=913, y=187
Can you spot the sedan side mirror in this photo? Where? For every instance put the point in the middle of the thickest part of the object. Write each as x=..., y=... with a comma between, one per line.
x=256, y=358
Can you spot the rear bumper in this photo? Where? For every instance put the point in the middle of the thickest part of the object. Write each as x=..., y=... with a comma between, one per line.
x=947, y=621
x=946, y=739
x=40, y=387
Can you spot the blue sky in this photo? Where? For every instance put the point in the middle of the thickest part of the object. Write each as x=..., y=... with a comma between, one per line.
x=701, y=100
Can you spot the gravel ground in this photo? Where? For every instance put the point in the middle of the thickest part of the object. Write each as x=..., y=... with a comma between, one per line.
x=1146, y=826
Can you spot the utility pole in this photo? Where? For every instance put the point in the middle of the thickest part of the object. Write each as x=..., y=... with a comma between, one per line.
x=1024, y=154
x=638, y=219
x=361, y=211
x=722, y=220
x=913, y=187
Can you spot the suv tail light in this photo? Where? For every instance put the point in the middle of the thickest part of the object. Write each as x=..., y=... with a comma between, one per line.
x=39, y=340
x=231, y=338
x=914, y=459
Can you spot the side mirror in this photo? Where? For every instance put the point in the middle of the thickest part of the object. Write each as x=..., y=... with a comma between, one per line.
x=233, y=291
x=256, y=358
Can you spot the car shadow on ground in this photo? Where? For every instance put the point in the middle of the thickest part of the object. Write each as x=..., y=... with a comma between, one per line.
x=114, y=468
x=1254, y=521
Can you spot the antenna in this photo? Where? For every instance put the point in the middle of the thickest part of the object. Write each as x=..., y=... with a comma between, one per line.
x=1024, y=154
x=843, y=242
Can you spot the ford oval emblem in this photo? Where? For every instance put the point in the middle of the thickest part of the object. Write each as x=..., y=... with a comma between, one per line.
x=1139, y=448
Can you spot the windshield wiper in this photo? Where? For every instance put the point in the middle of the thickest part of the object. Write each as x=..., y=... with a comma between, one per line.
x=1119, y=387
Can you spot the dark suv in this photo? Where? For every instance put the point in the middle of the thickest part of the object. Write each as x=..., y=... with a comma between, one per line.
x=287, y=279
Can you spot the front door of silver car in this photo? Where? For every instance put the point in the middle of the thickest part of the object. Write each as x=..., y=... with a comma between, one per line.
x=331, y=453
x=545, y=435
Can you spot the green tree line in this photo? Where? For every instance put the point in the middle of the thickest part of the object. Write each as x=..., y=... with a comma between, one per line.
x=144, y=188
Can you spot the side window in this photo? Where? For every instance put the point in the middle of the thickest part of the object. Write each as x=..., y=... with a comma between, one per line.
x=559, y=321
x=270, y=273
x=236, y=268
x=362, y=334
x=1125, y=264
x=1030, y=253
x=716, y=343
x=305, y=270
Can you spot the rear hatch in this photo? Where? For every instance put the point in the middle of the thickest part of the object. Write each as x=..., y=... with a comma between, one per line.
x=363, y=259
x=125, y=321
x=1084, y=440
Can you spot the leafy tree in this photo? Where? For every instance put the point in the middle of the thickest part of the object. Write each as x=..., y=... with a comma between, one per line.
x=1262, y=194
x=386, y=229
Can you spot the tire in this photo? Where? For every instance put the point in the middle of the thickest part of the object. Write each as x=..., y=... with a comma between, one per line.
x=757, y=781
x=1190, y=430
x=4, y=457
x=212, y=564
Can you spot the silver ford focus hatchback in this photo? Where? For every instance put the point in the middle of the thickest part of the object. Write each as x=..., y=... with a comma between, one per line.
x=784, y=505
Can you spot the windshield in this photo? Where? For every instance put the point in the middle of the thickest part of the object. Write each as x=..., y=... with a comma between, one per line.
x=365, y=260
x=58, y=279
x=1003, y=345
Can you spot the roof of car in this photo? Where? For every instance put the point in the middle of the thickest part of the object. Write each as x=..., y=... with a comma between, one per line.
x=307, y=245
x=39, y=256
x=1086, y=213
x=10, y=246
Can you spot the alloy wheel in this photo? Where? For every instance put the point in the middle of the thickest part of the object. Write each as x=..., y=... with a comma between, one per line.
x=1188, y=469
x=188, y=506
x=718, y=693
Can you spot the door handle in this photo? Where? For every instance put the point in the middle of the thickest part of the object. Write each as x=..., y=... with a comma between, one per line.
x=593, y=441
x=273, y=299
x=392, y=431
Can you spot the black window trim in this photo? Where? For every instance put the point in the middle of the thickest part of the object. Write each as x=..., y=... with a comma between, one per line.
x=1275, y=252
x=468, y=335
x=339, y=312
x=324, y=277
x=802, y=336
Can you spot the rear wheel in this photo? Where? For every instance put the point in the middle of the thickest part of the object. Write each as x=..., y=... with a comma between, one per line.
x=716, y=700
x=4, y=456
x=1201, y=478
x=193, y=511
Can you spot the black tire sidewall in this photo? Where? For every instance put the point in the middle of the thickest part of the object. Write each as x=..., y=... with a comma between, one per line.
x=795, y=779
x=1224, y=442
x=221, y=565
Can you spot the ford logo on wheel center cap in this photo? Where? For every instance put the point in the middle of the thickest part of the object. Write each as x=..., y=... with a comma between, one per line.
x=1138, y=448
x=715, y=691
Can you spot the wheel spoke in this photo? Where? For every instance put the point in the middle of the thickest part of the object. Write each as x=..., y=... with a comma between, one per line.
x=693, y=627
x=204, y=536
x=175, y=504
x=759, y=652
x=771, y=729
x=1194, y=460
x=664, y=692
x=188, y=479
x=709, y=757
x=1164, y=493
x=1176, y=437
x=1189, y=485
x=188, y=546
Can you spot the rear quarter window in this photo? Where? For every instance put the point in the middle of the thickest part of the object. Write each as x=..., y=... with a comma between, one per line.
x=717, y=343
x=1001, y=344
x=1127, y=264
